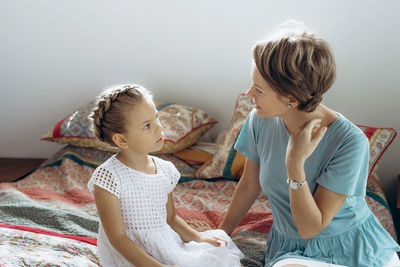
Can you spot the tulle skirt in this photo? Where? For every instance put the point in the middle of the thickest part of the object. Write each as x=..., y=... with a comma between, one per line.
x=167, y=247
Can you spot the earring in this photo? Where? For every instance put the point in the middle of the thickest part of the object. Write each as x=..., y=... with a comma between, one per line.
x=289, y=106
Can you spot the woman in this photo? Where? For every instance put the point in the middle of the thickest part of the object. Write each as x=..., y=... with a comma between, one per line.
x=310, y=161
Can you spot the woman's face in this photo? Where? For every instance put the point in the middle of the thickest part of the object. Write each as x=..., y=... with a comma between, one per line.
x=266, y=101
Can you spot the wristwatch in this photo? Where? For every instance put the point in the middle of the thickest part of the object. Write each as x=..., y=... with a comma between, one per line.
x=295, y=185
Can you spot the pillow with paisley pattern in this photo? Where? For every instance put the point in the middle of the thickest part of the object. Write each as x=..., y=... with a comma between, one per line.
x=183, y=126
x=227, y=162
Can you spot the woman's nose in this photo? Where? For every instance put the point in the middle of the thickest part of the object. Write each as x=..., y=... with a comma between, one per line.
x=249, y=92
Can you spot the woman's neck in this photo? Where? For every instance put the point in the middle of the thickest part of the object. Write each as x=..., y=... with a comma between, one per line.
x=296, y=118
x=138, y=162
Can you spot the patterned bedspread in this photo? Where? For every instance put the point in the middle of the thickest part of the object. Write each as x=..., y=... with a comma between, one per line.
x=49, y=217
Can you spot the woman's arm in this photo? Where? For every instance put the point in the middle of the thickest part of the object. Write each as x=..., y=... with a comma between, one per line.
x=186, y=232
x=111, y=218
x=311, y=214
x=246, y=193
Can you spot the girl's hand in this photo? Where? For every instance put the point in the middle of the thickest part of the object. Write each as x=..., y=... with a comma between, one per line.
x=303, y=141
x=200, y=226
x=216, y=241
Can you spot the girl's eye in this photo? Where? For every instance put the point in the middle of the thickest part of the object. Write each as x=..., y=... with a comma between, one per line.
x=147, y=126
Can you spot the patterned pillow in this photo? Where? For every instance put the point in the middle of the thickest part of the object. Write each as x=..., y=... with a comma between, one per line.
x=229, y=163
x=379, y=140
x=182, y=127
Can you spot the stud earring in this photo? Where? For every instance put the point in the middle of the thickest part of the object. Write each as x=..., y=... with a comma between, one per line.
x=289, y=106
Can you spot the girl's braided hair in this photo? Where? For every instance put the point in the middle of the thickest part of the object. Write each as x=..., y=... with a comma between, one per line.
x=110, y=114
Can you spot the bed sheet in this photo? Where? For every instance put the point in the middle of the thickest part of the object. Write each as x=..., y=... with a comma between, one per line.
x=51, y=212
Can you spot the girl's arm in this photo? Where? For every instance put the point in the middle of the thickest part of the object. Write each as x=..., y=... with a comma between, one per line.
x=245, y=194
x=186, y=232
x=111, y=218
x=311, y=214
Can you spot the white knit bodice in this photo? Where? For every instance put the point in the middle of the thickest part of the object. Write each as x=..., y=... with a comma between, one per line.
x=142, y=197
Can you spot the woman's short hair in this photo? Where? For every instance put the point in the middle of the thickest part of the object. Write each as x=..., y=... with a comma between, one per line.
x=297, y=63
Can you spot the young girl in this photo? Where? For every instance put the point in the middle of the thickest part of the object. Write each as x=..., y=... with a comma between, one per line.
x=133, y=193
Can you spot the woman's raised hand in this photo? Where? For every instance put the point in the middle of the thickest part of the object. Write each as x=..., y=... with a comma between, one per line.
x=303, y=141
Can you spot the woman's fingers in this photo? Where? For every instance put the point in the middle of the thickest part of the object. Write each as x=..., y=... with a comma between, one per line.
x=319, y=134
x=311, y=124
x=314, y=129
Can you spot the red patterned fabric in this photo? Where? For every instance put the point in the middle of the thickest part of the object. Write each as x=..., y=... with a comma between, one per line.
x=379, y=140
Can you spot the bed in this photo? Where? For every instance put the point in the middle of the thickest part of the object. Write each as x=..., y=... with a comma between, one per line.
x=49, y=218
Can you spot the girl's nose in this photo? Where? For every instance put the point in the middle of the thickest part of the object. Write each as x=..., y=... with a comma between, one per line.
x=160, y=127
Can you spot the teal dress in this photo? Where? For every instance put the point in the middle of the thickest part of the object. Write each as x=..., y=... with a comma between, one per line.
x=354, y=237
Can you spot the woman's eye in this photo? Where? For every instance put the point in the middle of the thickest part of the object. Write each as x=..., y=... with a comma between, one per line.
x=147, y=126
x=258, y=91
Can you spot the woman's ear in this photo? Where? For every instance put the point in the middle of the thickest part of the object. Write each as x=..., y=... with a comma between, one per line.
x=120, y=140
x=289, y=100
x=292, y=101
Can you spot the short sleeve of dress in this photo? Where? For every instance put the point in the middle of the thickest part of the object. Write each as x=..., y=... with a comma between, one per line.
x=246, y=141
x=173, y=174
x=346, y=173
x=104, y=178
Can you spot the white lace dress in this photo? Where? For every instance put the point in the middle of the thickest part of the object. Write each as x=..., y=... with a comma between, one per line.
x=143, y=198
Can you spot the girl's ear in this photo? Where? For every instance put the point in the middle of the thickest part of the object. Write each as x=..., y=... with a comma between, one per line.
x=120, y=141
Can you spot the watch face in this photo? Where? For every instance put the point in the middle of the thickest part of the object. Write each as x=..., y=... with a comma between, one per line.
x=294, y=185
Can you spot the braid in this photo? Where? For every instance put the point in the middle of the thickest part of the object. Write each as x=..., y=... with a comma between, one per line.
x=109, y=114
x=98, y=116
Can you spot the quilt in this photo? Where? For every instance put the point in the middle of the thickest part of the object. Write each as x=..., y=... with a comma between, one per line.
x=49, y=218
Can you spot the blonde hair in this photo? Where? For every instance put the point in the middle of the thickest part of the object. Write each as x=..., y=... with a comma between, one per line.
x=297, y=63
x=110, y=114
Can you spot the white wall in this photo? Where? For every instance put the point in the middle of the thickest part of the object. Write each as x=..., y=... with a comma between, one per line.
x=55, y=56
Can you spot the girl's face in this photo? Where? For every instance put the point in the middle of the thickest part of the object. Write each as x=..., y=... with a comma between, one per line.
x=144, y=132
x=267, y=102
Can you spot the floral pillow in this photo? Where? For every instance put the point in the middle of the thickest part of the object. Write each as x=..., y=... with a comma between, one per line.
x=379, y=140
x=182, y=127
x=229, y=163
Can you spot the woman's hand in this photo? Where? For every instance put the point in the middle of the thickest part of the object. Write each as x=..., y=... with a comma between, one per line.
x=216, y=241
x=303, y=142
